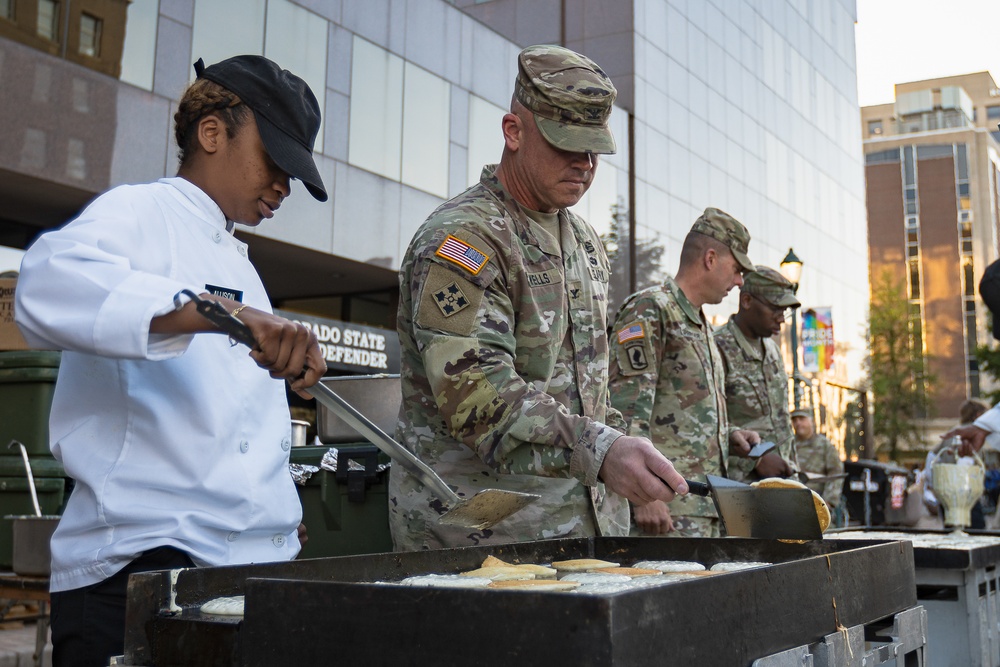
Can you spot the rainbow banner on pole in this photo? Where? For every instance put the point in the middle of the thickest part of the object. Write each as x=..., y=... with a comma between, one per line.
x=817, y=340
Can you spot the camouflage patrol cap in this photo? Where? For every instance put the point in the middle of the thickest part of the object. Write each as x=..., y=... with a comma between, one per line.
x=570, y=97
x=801, y=412
x=725, y=228
x=770, y=286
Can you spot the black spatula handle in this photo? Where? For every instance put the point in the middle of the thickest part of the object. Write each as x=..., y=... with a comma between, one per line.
x=697, y=488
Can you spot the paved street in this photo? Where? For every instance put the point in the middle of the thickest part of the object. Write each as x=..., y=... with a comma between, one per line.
x=17, y=647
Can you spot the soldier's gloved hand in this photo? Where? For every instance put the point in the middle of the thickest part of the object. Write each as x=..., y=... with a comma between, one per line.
x=741, y=440
x=635, y=469
x=654, y=518
x=772, y=465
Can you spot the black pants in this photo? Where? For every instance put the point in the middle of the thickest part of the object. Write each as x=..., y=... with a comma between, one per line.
x=88, y=624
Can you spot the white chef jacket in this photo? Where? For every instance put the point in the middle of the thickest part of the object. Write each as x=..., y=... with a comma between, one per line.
x=173, y=440
x=989, y=420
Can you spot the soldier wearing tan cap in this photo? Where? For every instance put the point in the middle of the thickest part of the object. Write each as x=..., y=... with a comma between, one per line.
x=756, y=381
x=817, y=455
x=667, y=376
x=502, y=329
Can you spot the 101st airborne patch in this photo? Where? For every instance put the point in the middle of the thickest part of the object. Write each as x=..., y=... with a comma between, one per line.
x=632, y=339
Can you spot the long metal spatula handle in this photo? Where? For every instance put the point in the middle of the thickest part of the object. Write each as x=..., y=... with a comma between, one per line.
x=397, y=452
x=239, y=331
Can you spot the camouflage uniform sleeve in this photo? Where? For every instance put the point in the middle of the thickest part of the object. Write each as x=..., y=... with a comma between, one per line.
x=834, y=466
x=737, y=467
x=469, y=361
x=634, y=369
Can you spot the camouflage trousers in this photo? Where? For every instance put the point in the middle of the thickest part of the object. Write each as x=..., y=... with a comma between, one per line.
x=695, y=526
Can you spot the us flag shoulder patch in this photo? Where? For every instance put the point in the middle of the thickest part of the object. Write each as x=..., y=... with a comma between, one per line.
x=630, y=333
x=459, y=252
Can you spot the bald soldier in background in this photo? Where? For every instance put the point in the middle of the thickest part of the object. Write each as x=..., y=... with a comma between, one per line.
x=756, y=381
x=667, y=375
x=502, y=328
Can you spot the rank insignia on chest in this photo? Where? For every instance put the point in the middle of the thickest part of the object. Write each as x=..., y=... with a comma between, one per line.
x=630, y=333
x=451, y=299
x=459, y=252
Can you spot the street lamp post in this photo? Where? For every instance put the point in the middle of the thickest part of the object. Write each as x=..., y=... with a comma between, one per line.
x=791, y=269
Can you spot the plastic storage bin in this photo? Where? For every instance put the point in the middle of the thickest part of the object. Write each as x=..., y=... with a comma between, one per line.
x=346, y=513
x=27, y=383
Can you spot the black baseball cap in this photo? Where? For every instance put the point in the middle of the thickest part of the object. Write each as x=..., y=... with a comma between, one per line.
x=284, y=107
x=989, y=290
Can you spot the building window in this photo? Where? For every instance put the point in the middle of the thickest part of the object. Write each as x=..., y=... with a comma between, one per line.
x=914, y=278
x=410, y=148
x=48, y=20
x=993, y=111
x=883, y=157
x=7, y=9
x=90, y=36
x=875, y=127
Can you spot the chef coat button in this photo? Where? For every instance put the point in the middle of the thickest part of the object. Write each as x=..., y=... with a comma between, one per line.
x=243, y=251
x=278, y=540
x=233, y=536
x=285, y=444
x=217, y=236
x=244, y=446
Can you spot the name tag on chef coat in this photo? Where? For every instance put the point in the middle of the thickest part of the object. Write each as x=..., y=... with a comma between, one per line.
x=225, y=292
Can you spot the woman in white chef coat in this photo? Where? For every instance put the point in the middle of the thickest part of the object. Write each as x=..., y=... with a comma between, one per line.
x=177, y=441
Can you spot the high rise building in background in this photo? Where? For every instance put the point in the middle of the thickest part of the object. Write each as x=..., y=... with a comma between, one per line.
x=746, y=105
x=933, y=170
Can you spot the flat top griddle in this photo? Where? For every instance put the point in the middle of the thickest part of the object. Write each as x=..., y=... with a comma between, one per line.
x=304, y=612
x=935, y=549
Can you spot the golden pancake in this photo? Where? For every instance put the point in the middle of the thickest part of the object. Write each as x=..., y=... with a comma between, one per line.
x=536, y=585
x=822, y=509
x=581, y=564
x=500, y=573
x=540, y=571
x=630, y=571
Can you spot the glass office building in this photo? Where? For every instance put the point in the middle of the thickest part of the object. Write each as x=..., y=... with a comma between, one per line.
x=746, y=105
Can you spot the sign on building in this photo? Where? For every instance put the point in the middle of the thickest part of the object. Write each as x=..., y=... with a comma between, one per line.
x=354, y=348
x=817, y=339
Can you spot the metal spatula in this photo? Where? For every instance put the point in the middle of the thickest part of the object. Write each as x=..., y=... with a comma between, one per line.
x=767, y=513
x=487, y=508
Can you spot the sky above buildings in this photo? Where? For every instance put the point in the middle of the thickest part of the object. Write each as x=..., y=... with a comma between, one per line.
x=910, y=40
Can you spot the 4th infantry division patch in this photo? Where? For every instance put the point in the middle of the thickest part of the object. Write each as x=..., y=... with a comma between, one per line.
x=451, y=299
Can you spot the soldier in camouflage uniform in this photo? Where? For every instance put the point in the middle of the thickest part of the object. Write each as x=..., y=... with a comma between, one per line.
x=502, y=326
x=817, y=455
x=667, y=376
x=756, y=381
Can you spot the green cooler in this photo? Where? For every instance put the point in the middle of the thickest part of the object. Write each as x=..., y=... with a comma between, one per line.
x=345, y=512
x=27, y=383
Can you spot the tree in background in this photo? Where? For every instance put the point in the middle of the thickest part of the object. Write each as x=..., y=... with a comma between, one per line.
x=897, y=367
x=648, y=259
